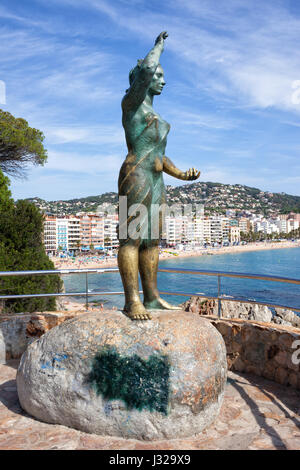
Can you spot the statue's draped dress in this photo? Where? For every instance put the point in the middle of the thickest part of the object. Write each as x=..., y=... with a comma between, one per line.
x=141, y=178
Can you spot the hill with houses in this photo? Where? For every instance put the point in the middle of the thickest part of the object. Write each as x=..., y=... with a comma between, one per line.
x=217, y=198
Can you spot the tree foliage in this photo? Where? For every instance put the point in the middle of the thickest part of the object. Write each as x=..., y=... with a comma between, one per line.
x=5, y=194
x=19, y=145
x=261, y=236
x=22, y=249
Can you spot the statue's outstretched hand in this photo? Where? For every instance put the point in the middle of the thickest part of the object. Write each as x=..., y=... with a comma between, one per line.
x=161, y=37
x=192, y=174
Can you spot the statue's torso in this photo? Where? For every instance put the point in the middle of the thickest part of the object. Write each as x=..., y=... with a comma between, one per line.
x=146, y=136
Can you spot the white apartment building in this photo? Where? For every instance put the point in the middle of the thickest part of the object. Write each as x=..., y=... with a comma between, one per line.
x=174, y=230
x=278, y=225
x=216, y=229
x=110, y=231
x=199, y=230
x=188, y=228
x=292, y=224
x=265, y=226
x=184, y=229
x=207, y=230
x=61, y=234
x=282, y=225
x=73, y=232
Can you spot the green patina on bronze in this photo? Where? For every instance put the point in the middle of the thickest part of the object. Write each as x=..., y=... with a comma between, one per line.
x=141, y=181
x=140, y=384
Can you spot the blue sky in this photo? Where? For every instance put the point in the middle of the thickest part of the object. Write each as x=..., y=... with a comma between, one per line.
x=232, y=69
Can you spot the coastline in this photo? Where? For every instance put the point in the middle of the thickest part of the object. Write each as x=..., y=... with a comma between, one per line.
x=168, y=253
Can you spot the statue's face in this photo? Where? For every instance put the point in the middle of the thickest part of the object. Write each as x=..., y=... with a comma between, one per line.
x=158, y=81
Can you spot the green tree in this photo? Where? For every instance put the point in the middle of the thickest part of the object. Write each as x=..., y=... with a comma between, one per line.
x=6, y=201
x=22, y=249
x=19, y=145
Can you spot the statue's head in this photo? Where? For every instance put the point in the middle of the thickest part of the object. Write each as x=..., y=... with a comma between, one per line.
x=158, y=81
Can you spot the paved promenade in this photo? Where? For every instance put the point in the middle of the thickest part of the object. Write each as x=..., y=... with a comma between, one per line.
x=256, y=414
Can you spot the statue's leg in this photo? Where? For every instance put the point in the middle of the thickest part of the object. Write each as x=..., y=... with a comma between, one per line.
x=128, y=266
x=148, y=265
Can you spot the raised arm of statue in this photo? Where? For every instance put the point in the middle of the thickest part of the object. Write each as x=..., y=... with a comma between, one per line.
x=171, y=169
x=141, y=76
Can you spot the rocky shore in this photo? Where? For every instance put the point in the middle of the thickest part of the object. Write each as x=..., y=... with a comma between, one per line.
x=243, y=311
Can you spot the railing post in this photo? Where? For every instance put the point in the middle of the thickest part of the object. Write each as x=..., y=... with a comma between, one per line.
x=219, y=299
x=86, y=292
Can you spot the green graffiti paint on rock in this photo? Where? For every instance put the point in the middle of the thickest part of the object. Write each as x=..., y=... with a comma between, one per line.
x=137, y=382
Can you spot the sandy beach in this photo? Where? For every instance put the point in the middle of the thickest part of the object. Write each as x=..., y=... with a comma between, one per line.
x=94, y=261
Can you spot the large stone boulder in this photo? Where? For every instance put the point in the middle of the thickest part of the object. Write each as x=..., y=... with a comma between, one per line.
x=103, y=373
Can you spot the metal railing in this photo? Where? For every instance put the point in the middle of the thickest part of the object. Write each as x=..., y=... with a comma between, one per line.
x=219, y=274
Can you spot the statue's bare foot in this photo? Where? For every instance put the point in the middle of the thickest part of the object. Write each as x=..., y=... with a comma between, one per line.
x=159, y=304
x=137, y=311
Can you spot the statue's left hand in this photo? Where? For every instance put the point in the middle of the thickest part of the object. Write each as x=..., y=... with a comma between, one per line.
x=161, y=37
x=192, y=174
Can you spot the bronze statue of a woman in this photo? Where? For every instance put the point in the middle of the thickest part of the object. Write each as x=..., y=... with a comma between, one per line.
x=141, y=180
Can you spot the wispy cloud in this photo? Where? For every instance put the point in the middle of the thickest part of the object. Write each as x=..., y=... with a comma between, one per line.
x=70, y=162
x=190, y=120
x=101, y=135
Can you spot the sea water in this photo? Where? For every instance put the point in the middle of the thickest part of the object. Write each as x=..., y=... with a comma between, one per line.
x=283, y=262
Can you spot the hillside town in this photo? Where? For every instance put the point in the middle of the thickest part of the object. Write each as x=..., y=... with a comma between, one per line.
x=216, y=197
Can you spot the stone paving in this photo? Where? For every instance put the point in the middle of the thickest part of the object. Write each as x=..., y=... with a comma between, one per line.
x=256, y=414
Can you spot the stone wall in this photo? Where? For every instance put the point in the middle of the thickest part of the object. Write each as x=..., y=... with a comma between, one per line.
x=261, y=349
x=17, y=331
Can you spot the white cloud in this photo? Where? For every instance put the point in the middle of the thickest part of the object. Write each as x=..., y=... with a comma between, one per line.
x=190, y=120
x=72, y=162
x=267, y=82
x=102, y=135
x=293, y=124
